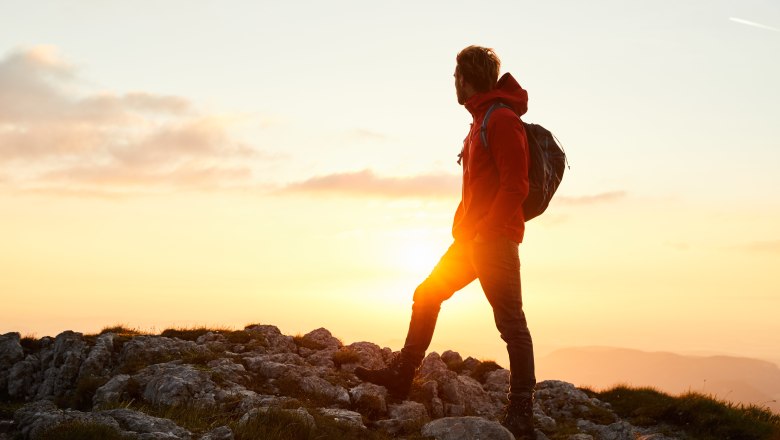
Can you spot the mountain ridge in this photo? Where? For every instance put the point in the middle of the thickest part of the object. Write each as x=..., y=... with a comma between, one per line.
x=206, y=384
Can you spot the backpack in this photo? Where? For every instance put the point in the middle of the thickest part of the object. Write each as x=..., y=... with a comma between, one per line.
x=548, y=161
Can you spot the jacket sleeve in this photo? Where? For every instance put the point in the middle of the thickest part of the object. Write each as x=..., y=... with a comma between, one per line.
x=509, y=147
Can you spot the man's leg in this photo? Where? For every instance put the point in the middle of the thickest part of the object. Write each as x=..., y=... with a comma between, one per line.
x=497, y=263
x=453, y=272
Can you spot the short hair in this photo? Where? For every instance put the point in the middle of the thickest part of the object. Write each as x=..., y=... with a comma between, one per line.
x=479, y=66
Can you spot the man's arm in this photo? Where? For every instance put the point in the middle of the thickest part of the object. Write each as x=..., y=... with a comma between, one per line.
x=509, y=148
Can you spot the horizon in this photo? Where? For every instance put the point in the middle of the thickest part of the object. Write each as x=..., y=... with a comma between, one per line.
x=265, y=163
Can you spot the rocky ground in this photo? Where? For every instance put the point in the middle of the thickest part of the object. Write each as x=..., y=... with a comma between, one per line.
x=224, y=385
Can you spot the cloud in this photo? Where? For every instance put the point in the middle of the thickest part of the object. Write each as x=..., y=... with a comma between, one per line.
x=55, y=136
x=754, y=24
x=366, y=183
x=361, y=134
x=762, y=247
x=590, y=199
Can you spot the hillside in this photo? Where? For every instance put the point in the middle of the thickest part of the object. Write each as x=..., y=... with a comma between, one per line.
x=258, y=383
x=737, y=379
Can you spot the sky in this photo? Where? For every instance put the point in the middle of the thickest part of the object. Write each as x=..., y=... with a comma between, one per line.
x=189, y=163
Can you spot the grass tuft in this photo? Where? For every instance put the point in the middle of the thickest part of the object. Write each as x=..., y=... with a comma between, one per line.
x=484, y=367
x=700, y=416
x=345, y=356
x=81, y=430
x=122, y=329
x=300, y=341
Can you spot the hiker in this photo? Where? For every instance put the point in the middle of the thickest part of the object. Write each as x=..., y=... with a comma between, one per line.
x=487, y=230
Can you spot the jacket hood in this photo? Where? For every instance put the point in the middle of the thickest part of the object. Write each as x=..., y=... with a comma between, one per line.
x=507, y=90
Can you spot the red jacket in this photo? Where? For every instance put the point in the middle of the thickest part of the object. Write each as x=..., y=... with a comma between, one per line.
x=495, y=180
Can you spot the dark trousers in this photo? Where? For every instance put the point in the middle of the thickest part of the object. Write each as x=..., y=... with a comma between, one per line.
x=496, y=263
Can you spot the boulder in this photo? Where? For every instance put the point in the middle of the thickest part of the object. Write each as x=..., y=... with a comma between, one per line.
x=320, y=339
x=11, y=352
x=369, y=399
x=220, y=433
x=343, y=416
x=140, y=423
x=271, y=339
x=407, y=416
x=36, y=417
x=466, y=428
x=173, y=384
x=60, y=365
x=98, y=362
x=301, y=414
x=112, y=391
x=369, y=355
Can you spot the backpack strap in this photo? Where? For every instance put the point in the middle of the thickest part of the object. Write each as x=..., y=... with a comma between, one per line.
x=483, y=128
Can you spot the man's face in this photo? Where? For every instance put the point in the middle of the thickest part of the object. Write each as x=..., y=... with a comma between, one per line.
x=459, y=83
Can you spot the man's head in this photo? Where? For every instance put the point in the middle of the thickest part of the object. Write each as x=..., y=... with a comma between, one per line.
x=476, y=70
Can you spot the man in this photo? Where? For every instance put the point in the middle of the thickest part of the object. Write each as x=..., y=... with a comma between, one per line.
x=487, y=230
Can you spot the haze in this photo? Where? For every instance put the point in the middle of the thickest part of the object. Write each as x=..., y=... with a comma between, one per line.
x=209, y=163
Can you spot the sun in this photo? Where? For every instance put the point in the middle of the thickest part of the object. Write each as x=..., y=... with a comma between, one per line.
x=415, y=255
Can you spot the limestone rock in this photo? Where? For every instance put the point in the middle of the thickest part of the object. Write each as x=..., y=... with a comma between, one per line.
x=98, y=362
x=301, y=414
x=228, y=371
x=562, y=400
x=450, y=357
x=140, y=423
x=272, y=339
x=24, y=377
x=220, y=433
x=36, y=417
x=466, y=428
x=370, y=399
x=174, y=384
x=320, y=339
x=460, y=394
x=11, y=352
x=369, y=355
x=404, y=417
x=321, y=388
x=497, y=380
x=142, y=351
x=343, y=416
x=61, y=364
x=111, y=391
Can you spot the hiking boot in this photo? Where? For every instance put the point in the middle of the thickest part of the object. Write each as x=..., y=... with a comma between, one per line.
x=396, y=377
x=518, y=418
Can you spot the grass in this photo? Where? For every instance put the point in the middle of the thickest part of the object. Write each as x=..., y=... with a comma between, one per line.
x=8, y=408
x=484, y=367
x=701, y=416
x=80, y=397
x=122, y=329
x=193, y=333
x=190, y=417
x=345, y=356
x=300, y=341
x=80, y=430
x=30, y=344
x=280, y=425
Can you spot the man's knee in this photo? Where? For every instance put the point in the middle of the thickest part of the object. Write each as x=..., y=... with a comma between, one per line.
x=429, y=294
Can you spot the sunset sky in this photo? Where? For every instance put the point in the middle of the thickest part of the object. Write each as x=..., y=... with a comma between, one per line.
x=187, y=163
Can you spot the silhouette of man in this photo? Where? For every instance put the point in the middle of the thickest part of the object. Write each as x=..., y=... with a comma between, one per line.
x=487, y=230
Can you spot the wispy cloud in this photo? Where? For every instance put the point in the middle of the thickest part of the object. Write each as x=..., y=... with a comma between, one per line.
x=754, y=24
x=366, y=183
x=590, y=199
x=762, y=247
x=55, y=136
x=361, y=134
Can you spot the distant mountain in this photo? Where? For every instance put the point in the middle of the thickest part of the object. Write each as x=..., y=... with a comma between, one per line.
x=737, y=379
